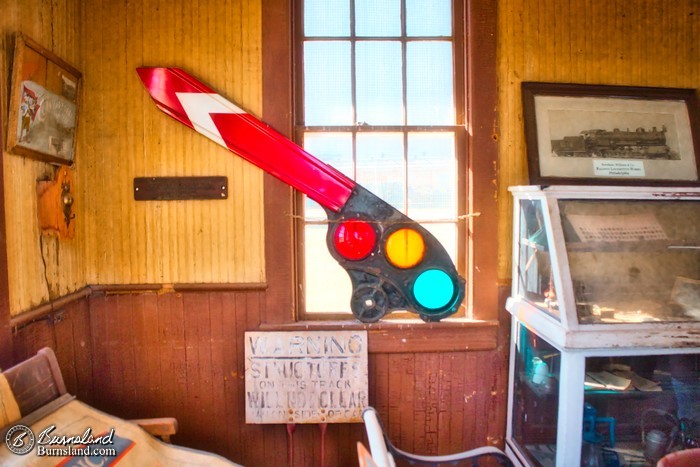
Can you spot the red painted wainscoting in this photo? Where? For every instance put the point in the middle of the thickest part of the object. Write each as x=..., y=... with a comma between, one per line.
x=180, y=354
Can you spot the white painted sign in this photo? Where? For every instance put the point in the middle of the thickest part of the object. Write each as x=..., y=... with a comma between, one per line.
x=613, y=168
x=305, y=377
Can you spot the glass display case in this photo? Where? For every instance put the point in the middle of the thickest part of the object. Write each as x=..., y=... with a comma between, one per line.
x=605, y=346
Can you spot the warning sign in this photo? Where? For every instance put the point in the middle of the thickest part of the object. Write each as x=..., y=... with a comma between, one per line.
x=306, y=377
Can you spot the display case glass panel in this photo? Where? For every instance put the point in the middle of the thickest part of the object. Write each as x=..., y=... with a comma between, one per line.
x=535, y=278
x=633, y=261
x=638, y=408
x=536, y=402
x=604, y=367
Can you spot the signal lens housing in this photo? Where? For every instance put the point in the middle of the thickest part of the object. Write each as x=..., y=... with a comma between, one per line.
x=405, y=248
x=433, y=289
x=354, y=239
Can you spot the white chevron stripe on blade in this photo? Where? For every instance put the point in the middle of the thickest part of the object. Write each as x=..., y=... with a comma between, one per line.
x=199, y=107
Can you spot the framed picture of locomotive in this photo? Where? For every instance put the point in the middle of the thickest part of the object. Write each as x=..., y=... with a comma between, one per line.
x=611, y=135
x=43, y=104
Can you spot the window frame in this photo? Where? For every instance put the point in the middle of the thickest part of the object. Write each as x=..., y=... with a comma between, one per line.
x=479, y=93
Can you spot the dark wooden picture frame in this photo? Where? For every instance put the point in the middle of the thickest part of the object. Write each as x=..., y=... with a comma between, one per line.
x=611, y=135
x=44, y=99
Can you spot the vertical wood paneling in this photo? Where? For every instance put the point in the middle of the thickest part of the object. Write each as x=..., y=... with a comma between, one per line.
x=68, y=334
x=182, y=355
x=620, y=42
x=37, y=274
x=176, y=241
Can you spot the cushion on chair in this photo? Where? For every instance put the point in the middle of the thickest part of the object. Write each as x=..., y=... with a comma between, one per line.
x=9, y=410
x=133, y=446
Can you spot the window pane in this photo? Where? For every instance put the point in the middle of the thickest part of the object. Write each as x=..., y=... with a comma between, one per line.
x=429, y=83
x=327, y=18
x=334, y=149
x=327, y=94
x=321, y=270
x=378, y=19
x=432, y=176
x=446, y=234
x=380, y=166
x=428, y=18
x=379, y=89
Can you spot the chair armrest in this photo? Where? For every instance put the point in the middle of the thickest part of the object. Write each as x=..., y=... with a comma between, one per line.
x=161, y=427
x=384, y=452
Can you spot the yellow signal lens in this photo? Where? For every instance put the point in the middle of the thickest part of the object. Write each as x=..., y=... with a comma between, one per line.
x=405, y=248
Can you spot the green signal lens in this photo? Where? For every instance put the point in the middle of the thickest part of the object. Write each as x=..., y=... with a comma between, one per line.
x=433, y=289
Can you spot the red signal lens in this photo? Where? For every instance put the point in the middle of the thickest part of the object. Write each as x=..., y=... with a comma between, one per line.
x=354, y=239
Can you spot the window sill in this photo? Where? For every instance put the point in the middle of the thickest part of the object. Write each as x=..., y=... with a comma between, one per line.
x=408, y=336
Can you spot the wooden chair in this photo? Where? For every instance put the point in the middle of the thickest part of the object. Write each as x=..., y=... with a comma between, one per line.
x=38, y=387
x=383, y=452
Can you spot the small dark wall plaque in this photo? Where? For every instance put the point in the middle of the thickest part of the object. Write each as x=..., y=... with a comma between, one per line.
x=180, y=188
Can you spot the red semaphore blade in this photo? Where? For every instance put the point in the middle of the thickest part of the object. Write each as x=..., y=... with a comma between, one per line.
x=194, y=104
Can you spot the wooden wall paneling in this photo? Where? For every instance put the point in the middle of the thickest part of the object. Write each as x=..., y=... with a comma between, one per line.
x=173, y=366
x=335, y=433
x=193, y=373
x=140, y=244
x=167, y=242
x=106, y=367
x=56, y=27
x=406, y=381
x=393, y=418
x=636, y=43
x=100, y=369
x=28, y=339
x=482, y=392
x=631, y=52
x=421, y=397
x=151, y=363
x=220, y=332
x=72, y=347
x=127, y=355
x=5, y=332
x=279, y=198
x=379, y=382
x=457, y=400
x=114, y=340
x=247, y=319
x=204, y=346
x=231, y=356
x=307, y=443
x=140, y=351
x=88, y=150
x=421, y=405
x=482, y=107
x=67, y=332
x=198, y=366
x=112, y=392
x=115, y=112
x=430, y=422
x=444, y=403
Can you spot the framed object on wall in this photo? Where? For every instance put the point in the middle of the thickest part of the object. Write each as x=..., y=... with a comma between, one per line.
x=611, y=135
x=44, y=99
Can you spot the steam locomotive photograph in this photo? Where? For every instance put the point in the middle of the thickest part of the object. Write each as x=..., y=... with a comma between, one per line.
x=641, y=143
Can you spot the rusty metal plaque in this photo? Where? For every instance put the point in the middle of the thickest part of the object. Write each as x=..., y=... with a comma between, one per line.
x=305, y=377
x=180, y=188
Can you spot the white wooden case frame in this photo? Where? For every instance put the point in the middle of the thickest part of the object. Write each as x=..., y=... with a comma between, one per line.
x=576, y=341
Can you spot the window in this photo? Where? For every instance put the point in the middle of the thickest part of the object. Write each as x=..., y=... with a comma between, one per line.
x=379, y=98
